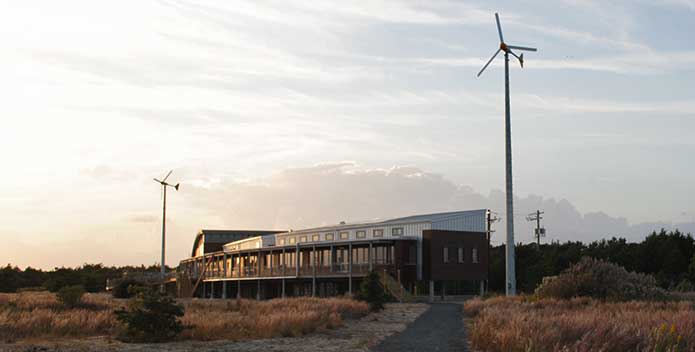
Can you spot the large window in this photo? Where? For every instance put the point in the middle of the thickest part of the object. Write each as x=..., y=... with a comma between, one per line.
x=292, y=240
x=461, y=255
x=329, y=237
x=445, y=254
x=282, y=241
x=474, y=255
x=344, y=235
x=361, y=234
x=315, y=238
x=397, y=231
x=378, y=233
x=302, y=239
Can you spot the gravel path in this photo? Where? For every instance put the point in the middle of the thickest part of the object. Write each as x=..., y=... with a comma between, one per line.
x=439, y=329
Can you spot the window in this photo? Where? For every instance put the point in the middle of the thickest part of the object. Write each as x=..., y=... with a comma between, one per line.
x=292, y=240
x=378, y=233
x=302, y=239
x=474, y=254
x=397, y=231
x=445, y=255
x=282, y=241
x=315, y=238
x=361, y=234
x=461, y=257
x=344, y=235
x=329, y=237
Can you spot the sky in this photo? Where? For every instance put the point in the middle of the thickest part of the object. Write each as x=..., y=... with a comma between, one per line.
x=290, y=114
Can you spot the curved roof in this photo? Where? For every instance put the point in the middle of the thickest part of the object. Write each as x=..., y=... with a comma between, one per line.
x=225, y=236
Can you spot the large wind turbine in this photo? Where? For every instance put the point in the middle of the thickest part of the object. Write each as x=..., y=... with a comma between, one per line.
x=164, y=184
x=511, y=272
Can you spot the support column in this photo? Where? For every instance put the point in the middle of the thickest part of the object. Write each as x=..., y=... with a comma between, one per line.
x=482, y=288
x=371, y=265
x=224, y=270
x=350, y=268
x=258, y=291
x=270, y=264
x=332, y=258
x=212, y=289
x=224, y=289
x=431, y=291
x=296, y=261
x=238, y=286
x=283, y=287
x=443, y=290
x=313, y=267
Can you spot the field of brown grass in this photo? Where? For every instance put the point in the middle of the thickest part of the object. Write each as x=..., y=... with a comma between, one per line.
x=580, y=324
x=39, y=315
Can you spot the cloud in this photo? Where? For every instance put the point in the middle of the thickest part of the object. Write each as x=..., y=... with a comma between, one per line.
x=330, y=193
x=143, y=218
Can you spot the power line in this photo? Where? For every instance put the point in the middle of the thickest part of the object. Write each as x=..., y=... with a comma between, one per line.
x=540, y=231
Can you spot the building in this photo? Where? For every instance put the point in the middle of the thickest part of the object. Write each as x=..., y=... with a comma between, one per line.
x=410, y=253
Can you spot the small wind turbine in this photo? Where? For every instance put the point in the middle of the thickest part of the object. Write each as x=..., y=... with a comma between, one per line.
x=511, y=269
x=164, y=184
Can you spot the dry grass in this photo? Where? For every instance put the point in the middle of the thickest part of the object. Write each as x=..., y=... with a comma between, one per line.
x=580, y=324
x=38, y=315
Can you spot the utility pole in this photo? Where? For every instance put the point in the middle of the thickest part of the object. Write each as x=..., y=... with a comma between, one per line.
x=491, y=218
x=540, y=232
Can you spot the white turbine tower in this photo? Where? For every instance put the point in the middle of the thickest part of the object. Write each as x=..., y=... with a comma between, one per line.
x=164, y=184
x=509, y=257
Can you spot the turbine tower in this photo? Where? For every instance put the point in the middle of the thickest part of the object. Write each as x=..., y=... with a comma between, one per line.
x=509, y=256
x=164, y=184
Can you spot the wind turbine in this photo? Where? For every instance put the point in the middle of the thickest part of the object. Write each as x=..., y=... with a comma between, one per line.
x=509, y=257
x=164, y=184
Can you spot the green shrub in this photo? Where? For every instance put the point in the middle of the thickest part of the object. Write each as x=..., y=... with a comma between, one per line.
x=599, y=279
x=70, y=296
x=372, y=292
x=685, y=286
x=150, y=317
x=125, y=288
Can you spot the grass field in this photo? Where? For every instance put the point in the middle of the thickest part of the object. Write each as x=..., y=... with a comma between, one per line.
x=38, y=315
x=581, y=324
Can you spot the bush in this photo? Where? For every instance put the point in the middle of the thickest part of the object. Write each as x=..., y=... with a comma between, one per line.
x=150, y=317
x=685, y=286
x=70, y=296
x=125, y=288
x=599, y=279
x=372, y=292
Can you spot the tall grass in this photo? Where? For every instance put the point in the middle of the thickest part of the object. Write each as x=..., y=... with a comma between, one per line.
x=580, y=324
x=39, y=315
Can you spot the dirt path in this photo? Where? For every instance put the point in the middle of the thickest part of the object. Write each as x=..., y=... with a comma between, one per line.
x=439, y=329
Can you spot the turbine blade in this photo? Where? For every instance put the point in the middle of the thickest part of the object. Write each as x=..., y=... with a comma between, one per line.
x=521, y=48
x=157, y=180
x=499, y=27
x=518, y=57
x=488, y=62
x=167, y=176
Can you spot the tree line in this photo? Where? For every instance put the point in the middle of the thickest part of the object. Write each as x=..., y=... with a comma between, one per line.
x=668, y=256
x=90, y=276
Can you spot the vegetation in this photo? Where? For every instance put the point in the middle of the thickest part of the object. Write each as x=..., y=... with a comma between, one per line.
x=125, y=288
x=39, y=315
x=525, y=323
x=668, y=256
x=150, y=317
x=599, y=279
x=372, y=292
x=70, y=296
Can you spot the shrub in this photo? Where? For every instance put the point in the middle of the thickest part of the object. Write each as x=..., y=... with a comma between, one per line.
x=70, y=296
x=599, y=279
x=150, y=317
x=685, y=286
x=372, y=292
x=125, y=288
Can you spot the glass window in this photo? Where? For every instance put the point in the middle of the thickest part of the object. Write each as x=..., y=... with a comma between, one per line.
x=329, y=237
x=361, y=234
x=461, y=258
x=344, y=235
x=397, y=231
x=302, y=239
x=445, y=255
x=378, y=233
x=292, y=240
x=315, y=238
x=474, y=255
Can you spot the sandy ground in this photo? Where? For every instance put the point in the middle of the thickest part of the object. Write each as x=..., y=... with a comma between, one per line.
x=356, y=335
